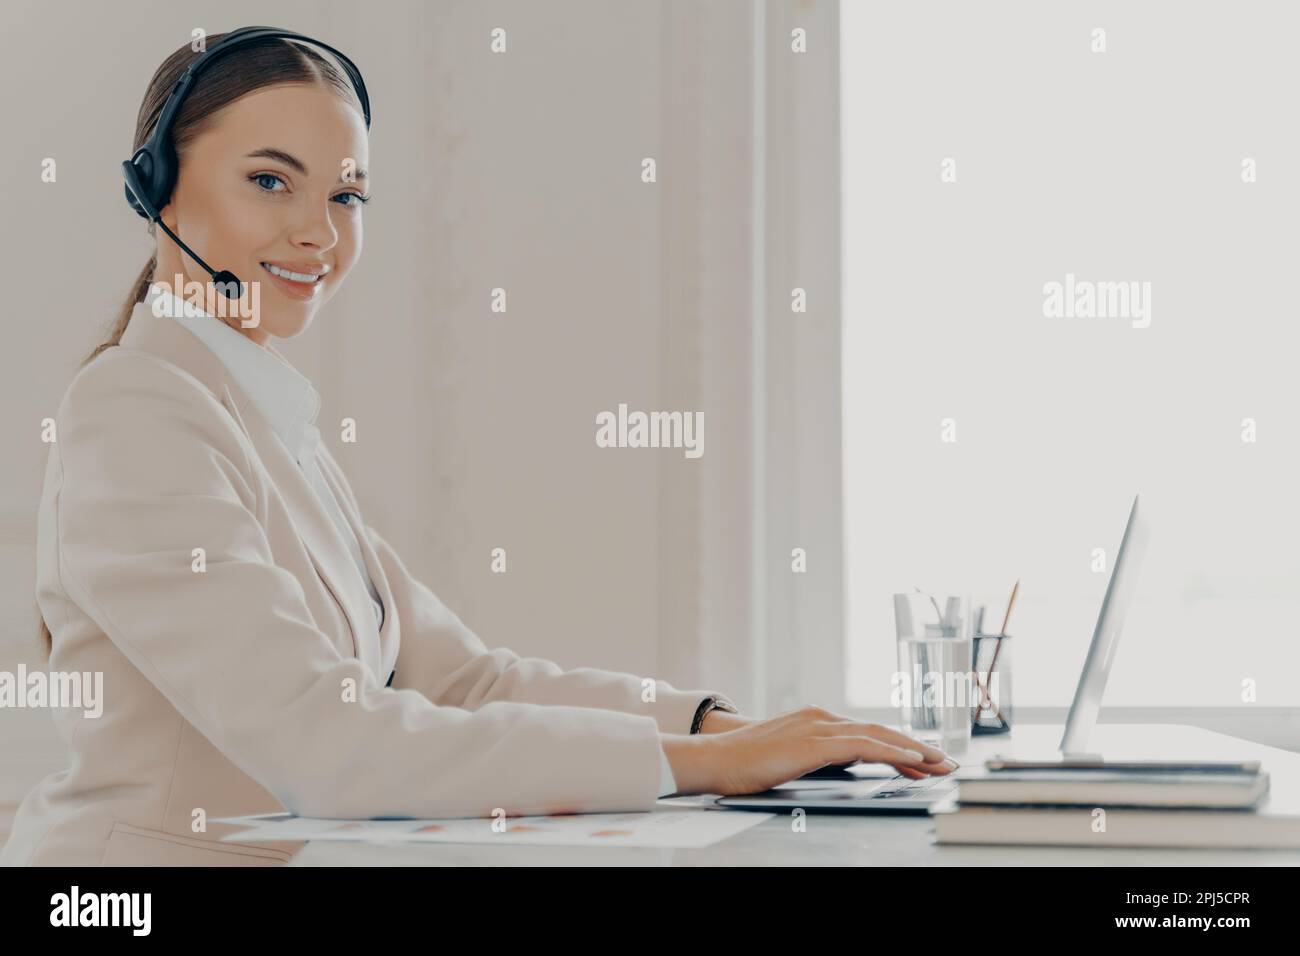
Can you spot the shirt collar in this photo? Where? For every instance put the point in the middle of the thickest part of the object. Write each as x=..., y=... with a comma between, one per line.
x=283, y=395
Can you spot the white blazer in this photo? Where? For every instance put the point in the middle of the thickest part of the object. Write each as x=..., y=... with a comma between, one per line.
x=257, y=684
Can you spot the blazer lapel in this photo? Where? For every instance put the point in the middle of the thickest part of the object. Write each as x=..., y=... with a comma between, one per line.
x=170, y=340
x=329, y=552
x=387, y=639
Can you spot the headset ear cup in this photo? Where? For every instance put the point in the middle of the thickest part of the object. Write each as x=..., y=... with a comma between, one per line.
x=131, y=201
x=131, y=171
x=162, y=177
x=154, y=179
x=137, y=170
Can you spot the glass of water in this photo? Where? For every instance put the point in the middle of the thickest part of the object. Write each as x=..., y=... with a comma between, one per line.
x=934, y=688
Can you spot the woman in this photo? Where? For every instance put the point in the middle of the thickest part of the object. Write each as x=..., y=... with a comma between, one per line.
x=262, y=647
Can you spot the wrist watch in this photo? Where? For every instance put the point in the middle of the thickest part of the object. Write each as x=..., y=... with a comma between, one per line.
x=712, y=702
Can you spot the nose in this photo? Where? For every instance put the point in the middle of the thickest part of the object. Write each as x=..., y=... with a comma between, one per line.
x=315, y=229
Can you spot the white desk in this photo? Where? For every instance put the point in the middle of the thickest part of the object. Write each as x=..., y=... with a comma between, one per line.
x=841, y=840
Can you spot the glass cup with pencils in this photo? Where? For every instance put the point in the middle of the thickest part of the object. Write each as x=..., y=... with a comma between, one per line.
x=992, y=711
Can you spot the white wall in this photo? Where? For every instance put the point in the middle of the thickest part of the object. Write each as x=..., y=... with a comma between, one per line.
x=1115, y=165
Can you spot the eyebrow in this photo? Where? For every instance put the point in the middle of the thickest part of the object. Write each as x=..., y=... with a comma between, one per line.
x=293, y=162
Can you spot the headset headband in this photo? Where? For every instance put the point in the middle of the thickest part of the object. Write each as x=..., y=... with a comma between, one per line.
x=238, y=38
x=151, y=172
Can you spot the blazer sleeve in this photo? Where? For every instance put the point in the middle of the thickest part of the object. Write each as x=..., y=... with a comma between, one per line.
x=447, y=662
x=153, y=467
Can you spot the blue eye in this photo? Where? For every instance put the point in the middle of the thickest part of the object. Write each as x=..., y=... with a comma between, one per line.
x=360, y=199
x=259, y=176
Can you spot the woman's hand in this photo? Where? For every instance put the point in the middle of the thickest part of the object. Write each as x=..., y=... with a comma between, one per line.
x=746, y=755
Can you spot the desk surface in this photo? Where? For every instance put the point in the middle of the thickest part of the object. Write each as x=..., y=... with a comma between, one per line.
x=841, y=840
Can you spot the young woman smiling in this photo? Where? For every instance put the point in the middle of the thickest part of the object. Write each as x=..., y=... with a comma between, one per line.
x=263, y=648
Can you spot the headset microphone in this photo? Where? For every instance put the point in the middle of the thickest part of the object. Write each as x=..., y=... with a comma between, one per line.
x=225, y=281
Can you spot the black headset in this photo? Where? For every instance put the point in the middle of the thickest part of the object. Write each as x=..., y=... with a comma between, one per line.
x=150, y=174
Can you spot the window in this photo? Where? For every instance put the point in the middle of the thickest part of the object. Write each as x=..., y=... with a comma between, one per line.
x=1059, y=256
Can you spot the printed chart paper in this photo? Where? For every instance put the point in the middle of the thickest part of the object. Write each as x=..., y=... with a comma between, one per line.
x=680, y=829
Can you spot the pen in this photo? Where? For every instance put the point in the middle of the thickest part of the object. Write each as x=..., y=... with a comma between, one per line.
x=997, y=649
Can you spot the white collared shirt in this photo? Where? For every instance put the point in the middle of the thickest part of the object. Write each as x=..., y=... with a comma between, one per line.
x=289, y=403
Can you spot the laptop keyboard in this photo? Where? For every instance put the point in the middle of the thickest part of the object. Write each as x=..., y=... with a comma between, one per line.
x=902, y=786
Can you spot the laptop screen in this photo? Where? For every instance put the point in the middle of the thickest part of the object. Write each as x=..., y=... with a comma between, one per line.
x=1105, y=639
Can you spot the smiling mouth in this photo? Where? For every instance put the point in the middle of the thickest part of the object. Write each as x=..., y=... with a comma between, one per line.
x=305, y=279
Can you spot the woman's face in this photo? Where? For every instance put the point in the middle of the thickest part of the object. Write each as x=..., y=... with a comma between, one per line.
x=290, y=207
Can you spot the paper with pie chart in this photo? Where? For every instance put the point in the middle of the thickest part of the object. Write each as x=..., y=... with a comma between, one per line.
x=681, y=829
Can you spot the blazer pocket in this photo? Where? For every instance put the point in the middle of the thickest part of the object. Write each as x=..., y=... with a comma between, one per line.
x=138, y=846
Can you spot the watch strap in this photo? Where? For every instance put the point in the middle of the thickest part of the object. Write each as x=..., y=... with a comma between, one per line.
x=712, y=702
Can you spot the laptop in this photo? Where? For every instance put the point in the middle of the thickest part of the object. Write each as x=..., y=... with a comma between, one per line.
x=864, y=788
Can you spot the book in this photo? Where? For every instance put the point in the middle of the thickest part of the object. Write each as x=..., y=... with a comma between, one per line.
x=1115, y=788
x=958, y=823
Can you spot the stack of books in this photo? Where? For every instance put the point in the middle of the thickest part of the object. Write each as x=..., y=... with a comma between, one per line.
x=1147, y=804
